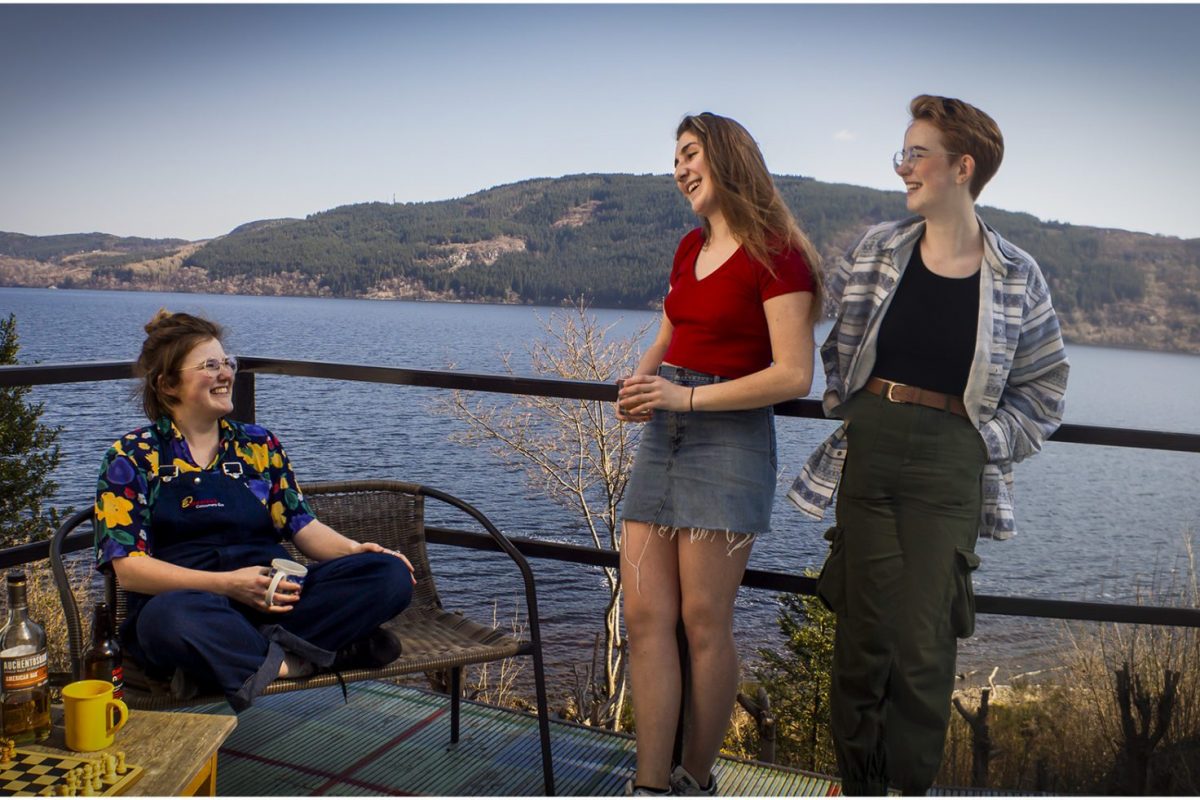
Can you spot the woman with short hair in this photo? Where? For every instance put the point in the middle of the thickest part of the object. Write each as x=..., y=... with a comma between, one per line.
x=946, y=362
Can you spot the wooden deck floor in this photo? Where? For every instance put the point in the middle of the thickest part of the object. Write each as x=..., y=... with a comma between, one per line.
x=392, y=740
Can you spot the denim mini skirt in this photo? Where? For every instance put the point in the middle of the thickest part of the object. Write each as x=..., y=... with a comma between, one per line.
x=704, y=470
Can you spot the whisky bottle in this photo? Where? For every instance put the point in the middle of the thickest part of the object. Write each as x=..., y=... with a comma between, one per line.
x=102, y=661
x=24, y=668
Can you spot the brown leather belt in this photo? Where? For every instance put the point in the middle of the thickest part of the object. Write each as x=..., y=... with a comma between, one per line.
x=900, y=393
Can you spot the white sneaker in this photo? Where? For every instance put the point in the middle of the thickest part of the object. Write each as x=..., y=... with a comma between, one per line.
x=637, y=791
x=684, y=785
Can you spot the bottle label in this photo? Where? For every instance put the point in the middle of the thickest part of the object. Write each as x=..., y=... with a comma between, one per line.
x=24, y=670
x=118, y=679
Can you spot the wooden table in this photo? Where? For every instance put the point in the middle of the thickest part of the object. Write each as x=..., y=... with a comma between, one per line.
x=177, y=750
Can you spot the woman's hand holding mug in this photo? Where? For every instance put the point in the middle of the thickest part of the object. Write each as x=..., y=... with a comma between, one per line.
x=284, y=569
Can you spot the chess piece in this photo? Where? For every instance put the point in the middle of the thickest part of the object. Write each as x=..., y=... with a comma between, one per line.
x=121, y=762
x=8, y=753
x=73, y=782
x=97, y=779
x=86, y=788
x=110, y=768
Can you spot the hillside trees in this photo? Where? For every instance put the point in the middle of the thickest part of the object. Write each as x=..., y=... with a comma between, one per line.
x=611, y=237
x=49, y=248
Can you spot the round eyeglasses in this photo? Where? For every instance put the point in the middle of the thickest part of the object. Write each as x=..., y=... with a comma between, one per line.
x=213, y=365
x=912, y=155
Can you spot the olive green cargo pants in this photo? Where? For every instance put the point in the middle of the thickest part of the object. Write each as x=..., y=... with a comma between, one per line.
x=899, y=578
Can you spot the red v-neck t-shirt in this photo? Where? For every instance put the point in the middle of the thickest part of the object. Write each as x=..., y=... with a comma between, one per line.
x=719, y=323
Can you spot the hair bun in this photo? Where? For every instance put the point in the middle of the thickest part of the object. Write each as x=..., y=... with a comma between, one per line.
x=161, y=318
x=169, y=338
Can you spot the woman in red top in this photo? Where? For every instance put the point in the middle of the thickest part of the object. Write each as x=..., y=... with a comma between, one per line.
x=736, y=338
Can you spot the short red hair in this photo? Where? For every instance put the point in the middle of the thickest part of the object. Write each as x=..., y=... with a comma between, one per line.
x=965, y=130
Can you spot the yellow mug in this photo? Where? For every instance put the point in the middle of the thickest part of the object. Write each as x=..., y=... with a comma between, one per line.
x=92, y=714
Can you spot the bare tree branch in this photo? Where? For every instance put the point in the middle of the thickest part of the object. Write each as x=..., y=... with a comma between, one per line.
x=580, y=455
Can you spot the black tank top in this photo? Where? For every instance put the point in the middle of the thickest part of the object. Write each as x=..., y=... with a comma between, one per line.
x=927, y=337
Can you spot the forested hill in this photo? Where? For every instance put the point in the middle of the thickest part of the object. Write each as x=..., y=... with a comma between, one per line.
x=606, y=237
x=57, y=248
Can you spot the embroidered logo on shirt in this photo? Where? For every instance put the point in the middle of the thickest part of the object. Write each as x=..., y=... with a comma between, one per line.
x=190, y=502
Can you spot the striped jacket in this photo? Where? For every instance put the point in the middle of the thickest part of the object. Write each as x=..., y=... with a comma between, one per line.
x=1018, y=377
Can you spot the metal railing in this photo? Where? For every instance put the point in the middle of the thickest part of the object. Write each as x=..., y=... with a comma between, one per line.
x=244, y=409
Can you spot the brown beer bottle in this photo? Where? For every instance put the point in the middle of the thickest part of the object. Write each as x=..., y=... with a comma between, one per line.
x=102, y=661
x=23, y=664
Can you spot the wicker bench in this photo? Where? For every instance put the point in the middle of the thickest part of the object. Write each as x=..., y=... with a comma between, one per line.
x=392, y=514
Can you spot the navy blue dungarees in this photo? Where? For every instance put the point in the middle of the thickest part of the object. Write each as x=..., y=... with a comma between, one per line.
x=214, y=521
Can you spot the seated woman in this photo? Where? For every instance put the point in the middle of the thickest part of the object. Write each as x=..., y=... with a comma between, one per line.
x=190, y=512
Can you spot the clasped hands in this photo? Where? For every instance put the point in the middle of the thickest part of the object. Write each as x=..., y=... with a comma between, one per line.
x=639, y=395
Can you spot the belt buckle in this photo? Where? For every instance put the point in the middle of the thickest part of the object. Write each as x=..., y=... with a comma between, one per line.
x=888, y=394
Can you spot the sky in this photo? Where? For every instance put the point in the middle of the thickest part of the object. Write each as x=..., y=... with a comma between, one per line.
x=187, y=121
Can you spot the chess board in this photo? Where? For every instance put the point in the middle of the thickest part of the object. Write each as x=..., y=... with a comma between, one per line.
x=32, y=771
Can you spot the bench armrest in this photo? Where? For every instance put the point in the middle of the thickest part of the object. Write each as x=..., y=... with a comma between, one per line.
x=59, y=545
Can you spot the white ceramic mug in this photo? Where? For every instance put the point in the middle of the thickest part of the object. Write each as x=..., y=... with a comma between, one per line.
x=284, y=569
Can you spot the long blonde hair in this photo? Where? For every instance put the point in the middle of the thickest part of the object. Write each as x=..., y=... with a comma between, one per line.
x=748, y=197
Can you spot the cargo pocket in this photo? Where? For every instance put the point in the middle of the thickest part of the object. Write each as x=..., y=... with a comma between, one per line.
x=962, y=610
x=831, y=583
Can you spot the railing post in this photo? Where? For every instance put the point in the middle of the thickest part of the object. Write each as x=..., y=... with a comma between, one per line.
x=243, y=397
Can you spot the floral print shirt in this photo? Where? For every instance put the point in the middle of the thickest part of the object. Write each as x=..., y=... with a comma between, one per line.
x=125, y=493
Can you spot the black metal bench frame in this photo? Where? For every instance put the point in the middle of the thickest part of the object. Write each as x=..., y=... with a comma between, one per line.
x=434, y=640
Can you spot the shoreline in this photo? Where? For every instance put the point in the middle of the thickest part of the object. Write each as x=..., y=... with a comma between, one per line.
x=421, y=295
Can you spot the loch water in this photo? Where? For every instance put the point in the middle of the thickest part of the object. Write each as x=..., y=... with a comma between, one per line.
x=1095, y=523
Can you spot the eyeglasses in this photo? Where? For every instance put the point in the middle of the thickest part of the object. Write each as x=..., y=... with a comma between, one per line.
x=912, y=155
x=213, y=365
